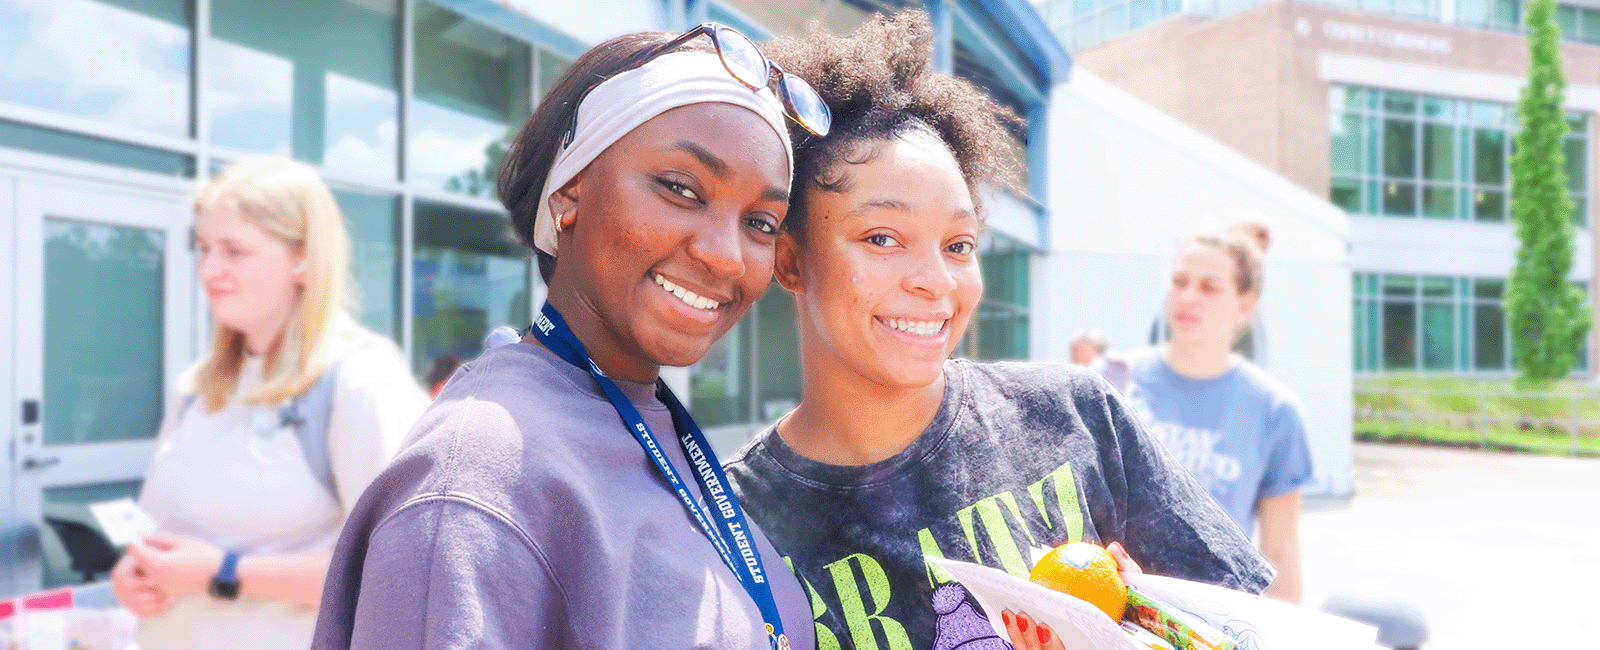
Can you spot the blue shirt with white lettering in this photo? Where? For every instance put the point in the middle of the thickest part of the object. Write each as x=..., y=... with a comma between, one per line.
x=1240, y=434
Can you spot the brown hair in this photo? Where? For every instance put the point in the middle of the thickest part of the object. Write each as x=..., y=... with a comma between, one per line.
x=1245, y=242
x=288, y=200
x=527, y=162
x=880, y=84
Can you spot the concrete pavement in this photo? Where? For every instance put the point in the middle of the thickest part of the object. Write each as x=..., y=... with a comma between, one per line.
x=1497, y=550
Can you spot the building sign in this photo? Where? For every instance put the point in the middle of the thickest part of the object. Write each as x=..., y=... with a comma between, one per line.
x=1389, y=38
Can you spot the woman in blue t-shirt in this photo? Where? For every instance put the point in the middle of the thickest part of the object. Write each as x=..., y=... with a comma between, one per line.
x=1233, y=426
x=898, y=452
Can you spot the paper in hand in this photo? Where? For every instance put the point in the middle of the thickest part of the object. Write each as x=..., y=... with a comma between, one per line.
x=123, y=521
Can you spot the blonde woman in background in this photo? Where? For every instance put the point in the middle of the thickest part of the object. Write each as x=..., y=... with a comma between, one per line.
x=1232, y=425
x=274, y=434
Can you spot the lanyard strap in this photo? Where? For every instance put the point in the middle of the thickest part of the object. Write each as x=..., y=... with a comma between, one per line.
x=728, y=524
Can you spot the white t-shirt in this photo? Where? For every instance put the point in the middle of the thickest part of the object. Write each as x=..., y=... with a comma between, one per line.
x=238, y=479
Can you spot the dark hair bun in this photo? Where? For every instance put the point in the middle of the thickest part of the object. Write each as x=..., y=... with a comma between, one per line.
x=1253, y=232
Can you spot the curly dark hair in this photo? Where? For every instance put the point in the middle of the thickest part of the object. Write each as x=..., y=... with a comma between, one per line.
x=880, y=84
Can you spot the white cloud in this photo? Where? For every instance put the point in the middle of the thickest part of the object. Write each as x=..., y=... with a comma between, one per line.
x=110, y=63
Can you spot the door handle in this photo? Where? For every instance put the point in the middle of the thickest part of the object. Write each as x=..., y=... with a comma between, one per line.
x=31, y=463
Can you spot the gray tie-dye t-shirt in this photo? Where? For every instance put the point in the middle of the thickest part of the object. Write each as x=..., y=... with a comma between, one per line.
x=1019, y=455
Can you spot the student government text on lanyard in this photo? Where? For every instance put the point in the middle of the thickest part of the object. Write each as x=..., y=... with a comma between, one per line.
x=726, y=527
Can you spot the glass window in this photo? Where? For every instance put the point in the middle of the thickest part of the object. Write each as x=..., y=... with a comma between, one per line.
x=374, y=224
x=469, y=275
x=1489, y=114
x=1577, y=164
x=1141, y=12
x=1346, y=145
x=1400, y=335
x=1399, y=148
x=1591, y=25
x=1438, y=108
x=1439, y=203
x=1567, y=20
x=1438, y=152
x=1489, y=205
x=1400, y=286
x=1472, y=12
x=317, y=83
x=1434, y=286
x=1489, y=337
x=1398, y=103
x=1489, y=157
x=1346, y=194
x=1000, y=328
x=126, y=62
x=1507, y=14
x=1400, y=200
x=551, y=65
x=752, y=374
x=1438, y=336
x=100, y=388
x=472, y=94
x=1114, y=20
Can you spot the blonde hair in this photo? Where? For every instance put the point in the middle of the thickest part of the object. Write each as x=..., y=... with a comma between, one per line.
x=290, y=201
x=1245, y=242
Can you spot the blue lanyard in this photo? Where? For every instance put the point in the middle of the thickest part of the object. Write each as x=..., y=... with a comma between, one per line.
x=729, y=524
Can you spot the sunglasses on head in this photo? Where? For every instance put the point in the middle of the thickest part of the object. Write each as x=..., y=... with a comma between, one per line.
x=744, y=61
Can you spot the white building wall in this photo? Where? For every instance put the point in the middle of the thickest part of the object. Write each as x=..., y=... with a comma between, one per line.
x=1128, y=183
x=1464, y=248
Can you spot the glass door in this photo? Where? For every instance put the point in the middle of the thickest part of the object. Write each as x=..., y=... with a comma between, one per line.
x=103, y=324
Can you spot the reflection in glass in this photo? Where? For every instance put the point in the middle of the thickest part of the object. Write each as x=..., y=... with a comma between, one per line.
x=1489, y=337
x=1489, y=157
x=250, y=97
x=1000, y=326
x=1399, y=147
x=469, y=277
x=374, y=224
x=71, y=504
x=752, y=374
x=472, y=94
x=1346, y=150
x=123, y=61
x=318, y=82
x=1346, y=194
x=1438, y=336
x=101, y=386
x=1400, y=335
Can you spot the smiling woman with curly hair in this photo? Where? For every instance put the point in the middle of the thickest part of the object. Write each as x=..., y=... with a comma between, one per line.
x=897, y=451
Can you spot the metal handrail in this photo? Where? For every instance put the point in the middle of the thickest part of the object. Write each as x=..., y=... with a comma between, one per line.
x=1480, y=419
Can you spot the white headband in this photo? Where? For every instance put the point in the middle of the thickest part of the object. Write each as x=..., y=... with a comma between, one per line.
x=620, y=104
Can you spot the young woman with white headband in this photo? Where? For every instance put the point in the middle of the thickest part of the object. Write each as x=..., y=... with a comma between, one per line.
x=556, y=494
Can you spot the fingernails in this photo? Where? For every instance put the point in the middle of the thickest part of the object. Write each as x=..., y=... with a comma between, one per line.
x=1005, y=615
x=1044, y=634
x=1022, y=624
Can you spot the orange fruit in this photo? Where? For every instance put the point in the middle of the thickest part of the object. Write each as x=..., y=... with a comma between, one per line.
x=1084, y=570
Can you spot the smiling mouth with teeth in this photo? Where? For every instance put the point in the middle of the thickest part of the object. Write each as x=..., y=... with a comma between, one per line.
x=924, y=329
x=688, y=297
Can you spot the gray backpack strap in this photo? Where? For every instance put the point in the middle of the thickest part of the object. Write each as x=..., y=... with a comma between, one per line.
x=310, y=413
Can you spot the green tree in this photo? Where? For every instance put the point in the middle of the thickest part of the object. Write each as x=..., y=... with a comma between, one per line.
x=1549, y=317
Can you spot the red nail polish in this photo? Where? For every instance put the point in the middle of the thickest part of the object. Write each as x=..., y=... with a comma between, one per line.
x=1005, y=615
x=1044, y=634
x=1022, y=624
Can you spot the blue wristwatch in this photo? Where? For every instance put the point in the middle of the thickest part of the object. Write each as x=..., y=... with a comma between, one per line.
x=225, y=584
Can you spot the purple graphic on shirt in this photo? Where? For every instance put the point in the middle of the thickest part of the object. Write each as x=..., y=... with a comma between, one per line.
x=960, y=625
